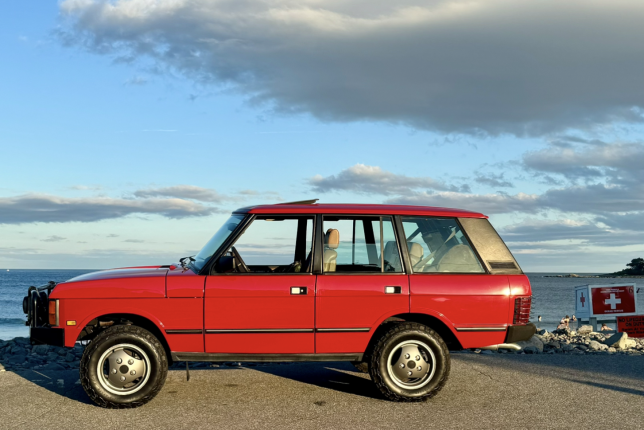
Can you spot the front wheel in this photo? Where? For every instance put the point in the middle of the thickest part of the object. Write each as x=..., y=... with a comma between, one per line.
x=410, y=363
x=125, y=366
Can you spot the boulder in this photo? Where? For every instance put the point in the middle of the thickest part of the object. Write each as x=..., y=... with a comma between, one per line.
x=581, y=347
x=554, y=344
x=596, y=346
x=40, y=349
x=22, y=341
x=567, y=347
x=631, y=343
x=618, y=340
x=542, y=332
x=611, y=350
x=531, y=350
x=52, y=356
x=70, y=357
x=533, y=341
x=62, y=351
x=18, y=349
x=16, y=359
x=585, y=329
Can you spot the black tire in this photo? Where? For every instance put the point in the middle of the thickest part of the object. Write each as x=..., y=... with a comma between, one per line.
x=361, y=366
x=156, y=367
x=394, y=388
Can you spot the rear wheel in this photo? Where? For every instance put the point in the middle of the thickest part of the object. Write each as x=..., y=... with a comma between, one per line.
x=123, y=367
x=410, y=363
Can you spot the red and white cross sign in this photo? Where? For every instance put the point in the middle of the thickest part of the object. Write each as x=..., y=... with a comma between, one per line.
x=613, y=299
x=605, y=300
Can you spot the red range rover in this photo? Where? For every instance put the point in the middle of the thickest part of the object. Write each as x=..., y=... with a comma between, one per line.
x=390, y=288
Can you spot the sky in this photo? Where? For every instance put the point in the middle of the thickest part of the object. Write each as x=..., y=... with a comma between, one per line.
x=130, y=129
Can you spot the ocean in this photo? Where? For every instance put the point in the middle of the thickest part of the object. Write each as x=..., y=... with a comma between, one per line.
x=553, y=298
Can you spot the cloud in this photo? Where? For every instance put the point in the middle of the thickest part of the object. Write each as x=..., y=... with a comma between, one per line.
x=365, y=179
x=493, y=180
x=54, y=239
x=624, y=161
x=488, y=204
x=31, y=208
x=531, y=234
x=454, y=66
x=136, y=80
x=185, y=192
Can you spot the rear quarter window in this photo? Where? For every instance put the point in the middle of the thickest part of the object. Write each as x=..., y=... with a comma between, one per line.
x=493, y=251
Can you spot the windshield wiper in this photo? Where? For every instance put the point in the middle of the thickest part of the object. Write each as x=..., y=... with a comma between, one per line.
x=183, y=260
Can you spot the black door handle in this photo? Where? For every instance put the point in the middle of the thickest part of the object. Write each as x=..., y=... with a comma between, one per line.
x=299, y=291
x=393, y=289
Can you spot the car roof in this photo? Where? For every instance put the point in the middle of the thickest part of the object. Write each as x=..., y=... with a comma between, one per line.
x=361, y=209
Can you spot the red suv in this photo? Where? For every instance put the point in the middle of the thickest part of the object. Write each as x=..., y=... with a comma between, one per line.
x=390, y=288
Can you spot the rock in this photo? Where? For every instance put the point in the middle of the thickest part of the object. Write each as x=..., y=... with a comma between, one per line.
x=70, y=357
x=16, y=359
x=554, y=344
x=62, y=351
x=531, y=349
x=617, y=340
x=567, y=347
x=486, y=351
x=40, y=349
x=596, y=346
x=585, y=330
x=611, y=350
x=542, y=332
x=581, y=347
x=18, y=349
x=22, y=341
x=533, y=341
x=631, y=343
x=52, y=356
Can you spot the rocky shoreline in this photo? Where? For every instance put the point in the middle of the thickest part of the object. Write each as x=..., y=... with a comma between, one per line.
x=18, y=354
x=580, y=342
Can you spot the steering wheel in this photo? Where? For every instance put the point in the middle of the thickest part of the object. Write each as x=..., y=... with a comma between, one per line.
x=241, y=266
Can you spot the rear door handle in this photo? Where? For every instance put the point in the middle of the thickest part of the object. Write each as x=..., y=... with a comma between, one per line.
x=299, y=291
x=393, y=290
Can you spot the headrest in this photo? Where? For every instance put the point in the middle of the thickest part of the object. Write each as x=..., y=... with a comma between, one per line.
x=332, y=238
x=415, y=251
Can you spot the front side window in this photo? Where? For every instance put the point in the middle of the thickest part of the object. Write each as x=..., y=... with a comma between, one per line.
x=439, y=245
x=271, y=244
x=360, y=244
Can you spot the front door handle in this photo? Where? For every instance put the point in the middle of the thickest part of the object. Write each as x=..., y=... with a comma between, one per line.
x=299, y=291
x=393, y=290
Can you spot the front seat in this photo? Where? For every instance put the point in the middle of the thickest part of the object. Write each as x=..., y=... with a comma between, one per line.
x=415, y=252
x=331, y=243
x=460, y=259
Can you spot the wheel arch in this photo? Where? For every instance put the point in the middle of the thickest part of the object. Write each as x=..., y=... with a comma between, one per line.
x=94, y=326
x=431, y=321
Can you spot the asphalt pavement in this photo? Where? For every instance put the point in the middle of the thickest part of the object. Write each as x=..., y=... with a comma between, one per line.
x=484, y=391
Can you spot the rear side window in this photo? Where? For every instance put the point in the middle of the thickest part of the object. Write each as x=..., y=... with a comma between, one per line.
x=439, y=245
x=360, y=244
x=490, y=246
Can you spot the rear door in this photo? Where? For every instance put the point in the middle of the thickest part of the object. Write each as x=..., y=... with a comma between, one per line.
x=261, y=299
x=449, y=280
x=362, y=281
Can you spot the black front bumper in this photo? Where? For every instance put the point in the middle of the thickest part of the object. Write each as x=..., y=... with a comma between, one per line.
x=518, y=333
x=47, y=336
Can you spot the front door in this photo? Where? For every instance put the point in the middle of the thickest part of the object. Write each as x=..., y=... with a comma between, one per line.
x=362, y=282
x=261, y=298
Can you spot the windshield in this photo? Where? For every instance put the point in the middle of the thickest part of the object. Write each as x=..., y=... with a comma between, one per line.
x=217, y=240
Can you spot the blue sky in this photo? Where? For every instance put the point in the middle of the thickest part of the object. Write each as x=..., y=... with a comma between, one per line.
x=129, y=129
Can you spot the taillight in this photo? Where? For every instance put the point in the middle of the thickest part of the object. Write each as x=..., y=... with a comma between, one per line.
x=522, y=307
x=53, y=312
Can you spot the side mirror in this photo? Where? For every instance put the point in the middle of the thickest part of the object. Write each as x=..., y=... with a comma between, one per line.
x=225, y=264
